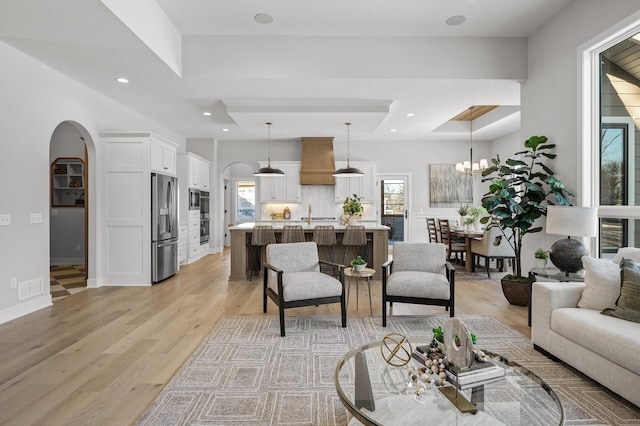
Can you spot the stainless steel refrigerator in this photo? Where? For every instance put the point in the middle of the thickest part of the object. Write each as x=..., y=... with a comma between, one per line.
x=164, y=226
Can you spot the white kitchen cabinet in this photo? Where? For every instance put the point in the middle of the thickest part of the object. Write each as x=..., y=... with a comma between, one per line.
x=163, y=156
x=281, y=189
x=197, y=171
x=363, y=186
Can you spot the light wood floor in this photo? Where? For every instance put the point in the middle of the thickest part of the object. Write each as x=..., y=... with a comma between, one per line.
x=101, y=356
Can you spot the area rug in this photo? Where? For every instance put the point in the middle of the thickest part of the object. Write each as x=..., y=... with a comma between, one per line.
x=244, y=373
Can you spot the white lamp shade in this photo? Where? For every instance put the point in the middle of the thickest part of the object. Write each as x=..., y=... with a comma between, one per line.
x=484, y=164
x=459, y=167
x=572, y=221
x=466, y=165
x=475, y=167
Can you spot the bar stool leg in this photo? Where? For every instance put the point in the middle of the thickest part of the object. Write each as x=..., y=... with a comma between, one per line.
x=370, y=305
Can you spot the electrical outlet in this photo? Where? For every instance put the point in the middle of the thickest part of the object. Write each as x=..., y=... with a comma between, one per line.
x=78, y=247
x=5, y=219
x=14, y=283
x=36, y=217
x=54, y=212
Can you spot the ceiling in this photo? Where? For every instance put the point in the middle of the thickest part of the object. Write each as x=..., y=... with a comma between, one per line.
x=319, y=64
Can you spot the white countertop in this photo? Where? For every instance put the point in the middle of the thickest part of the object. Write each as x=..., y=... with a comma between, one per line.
x=279, y=224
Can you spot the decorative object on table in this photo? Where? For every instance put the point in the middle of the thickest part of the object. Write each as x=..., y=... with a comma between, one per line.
x=396, y=349
x=566, y=254
x=518, y=195
x=269, y=171
x=352, y=207
x=541, y=256
x=358, y=264
x=448, y=188
x=477, y=213
x=457, y=343
x=463, y=211
x=348, y=171
x=286, y=214
x=468, y=222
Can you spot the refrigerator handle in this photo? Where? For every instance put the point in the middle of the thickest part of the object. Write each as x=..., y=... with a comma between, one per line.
x=170, y=199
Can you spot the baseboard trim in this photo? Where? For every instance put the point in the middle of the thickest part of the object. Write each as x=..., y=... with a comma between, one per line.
x=25, y=308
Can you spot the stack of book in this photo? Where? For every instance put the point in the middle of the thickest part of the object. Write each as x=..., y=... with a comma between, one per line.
x=479, y=372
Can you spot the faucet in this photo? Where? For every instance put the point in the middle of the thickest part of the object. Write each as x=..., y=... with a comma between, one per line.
x=309, y=216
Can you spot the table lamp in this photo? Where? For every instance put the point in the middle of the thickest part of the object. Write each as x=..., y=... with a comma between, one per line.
x=566, y=254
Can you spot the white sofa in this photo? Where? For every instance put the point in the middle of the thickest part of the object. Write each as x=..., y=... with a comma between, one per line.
x=605, y=348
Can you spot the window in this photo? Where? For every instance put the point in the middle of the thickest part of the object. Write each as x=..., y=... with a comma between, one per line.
x=246, y=200
x=618, y=108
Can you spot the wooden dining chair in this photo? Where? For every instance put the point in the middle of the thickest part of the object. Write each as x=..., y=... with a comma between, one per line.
x=432, y=227
x=453, y=247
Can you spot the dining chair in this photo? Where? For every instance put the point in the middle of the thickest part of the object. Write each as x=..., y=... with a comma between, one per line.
x=418, y=273
x=454, y=247
x=432, y=227
x=487, y=248
x=292, y=279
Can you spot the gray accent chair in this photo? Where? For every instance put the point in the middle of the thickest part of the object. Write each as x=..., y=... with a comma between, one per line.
x=487, y=248
x=292, y=279
x=418, y=273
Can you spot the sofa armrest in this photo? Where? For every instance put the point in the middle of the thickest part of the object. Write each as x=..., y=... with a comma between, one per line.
x=545, y=298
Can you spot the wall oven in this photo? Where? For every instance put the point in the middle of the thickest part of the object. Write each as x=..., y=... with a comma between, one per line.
x=194, y=199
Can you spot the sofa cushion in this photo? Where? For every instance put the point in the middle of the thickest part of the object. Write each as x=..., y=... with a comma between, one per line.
x=628, y=304
x=626, y=252
x=616, y=340
x=429, y=285
x=602, y=280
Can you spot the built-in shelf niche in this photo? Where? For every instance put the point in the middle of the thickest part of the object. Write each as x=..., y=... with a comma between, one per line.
x=67, y=182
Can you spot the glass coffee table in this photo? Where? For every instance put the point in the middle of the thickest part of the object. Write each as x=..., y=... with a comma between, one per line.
x=519, y=398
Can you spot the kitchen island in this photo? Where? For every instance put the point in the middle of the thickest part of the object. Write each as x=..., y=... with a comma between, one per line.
x=242, y=253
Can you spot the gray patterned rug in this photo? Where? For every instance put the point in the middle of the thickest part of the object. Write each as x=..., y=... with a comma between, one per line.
x=244, y=373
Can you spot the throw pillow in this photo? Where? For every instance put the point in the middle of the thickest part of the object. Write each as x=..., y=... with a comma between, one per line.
x=627, y=253
x=602, y=280
x=628, y=304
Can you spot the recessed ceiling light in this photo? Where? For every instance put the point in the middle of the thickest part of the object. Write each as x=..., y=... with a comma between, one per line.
x=393, y=130
x=122, y=80
x=410, y=114
x=455, y=20
x=206, y=113
x=225, y=130
x=263, y=18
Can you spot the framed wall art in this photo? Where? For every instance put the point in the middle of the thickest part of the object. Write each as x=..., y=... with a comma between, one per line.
x=449, y=188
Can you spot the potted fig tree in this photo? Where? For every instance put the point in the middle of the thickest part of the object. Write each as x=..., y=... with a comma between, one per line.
x=519, y=192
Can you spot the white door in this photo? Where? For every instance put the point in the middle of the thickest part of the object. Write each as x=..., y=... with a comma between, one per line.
x=394, y=205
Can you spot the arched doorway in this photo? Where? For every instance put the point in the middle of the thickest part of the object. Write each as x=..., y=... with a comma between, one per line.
x=71, y=153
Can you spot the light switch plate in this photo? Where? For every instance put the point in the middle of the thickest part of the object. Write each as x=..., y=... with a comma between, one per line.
x=36, y=217
x=5, y=219
x=14, y=283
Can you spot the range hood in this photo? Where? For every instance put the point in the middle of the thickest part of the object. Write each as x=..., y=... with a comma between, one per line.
x=318, y=163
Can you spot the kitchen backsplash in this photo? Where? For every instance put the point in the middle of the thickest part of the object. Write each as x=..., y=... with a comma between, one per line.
x=321, y=199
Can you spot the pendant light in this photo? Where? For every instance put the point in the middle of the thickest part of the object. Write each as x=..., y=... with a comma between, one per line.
x=469, y=167
x=348, y=171
x=269, y=171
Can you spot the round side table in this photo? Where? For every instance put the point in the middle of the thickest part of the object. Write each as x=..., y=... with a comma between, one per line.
x=366, y=273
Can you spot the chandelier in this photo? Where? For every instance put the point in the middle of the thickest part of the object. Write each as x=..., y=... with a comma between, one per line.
x=468, y=166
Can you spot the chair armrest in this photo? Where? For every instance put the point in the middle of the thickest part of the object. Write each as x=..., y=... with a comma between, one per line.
x=451, y=271
x=273, y=268
x=337, y=265
x=547, y=297
x=388, y=265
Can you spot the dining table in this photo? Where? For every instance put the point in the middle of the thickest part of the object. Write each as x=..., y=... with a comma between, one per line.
x=468, y=235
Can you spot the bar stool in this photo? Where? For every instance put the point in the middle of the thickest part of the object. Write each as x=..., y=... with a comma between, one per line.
x=261, y=237
x=292, y=234
x=325, y=237
x=354, y=243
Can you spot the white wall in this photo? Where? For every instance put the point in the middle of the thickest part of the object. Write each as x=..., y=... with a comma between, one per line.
x=550, y=96
x=35, y=99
